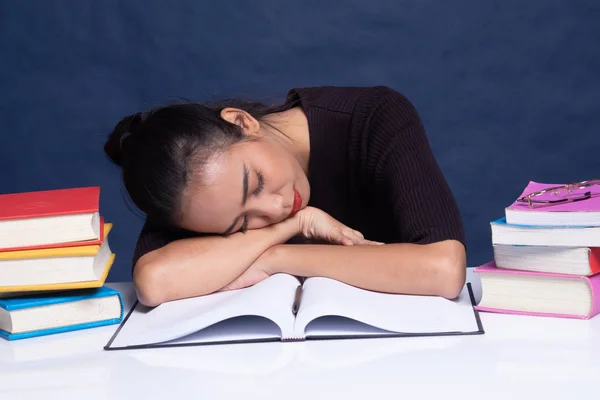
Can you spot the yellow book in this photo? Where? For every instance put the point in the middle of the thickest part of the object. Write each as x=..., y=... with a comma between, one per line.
x=56, y=268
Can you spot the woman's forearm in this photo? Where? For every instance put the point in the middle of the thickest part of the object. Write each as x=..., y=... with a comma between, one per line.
x=435, y=269
x=199, y=266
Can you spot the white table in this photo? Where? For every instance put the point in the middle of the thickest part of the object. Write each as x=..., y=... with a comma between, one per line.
x=522, y=357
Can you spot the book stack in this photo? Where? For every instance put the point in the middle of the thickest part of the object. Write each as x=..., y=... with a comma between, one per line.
x=546, y=259
x=54, y=260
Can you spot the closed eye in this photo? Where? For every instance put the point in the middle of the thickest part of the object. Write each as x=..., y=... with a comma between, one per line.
x=259, y=187
x=261, y=182
x=244, y=226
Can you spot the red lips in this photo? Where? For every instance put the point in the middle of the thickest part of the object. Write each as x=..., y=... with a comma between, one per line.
x=297, y=203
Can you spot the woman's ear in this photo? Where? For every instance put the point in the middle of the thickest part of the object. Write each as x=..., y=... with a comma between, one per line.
x=249, y=124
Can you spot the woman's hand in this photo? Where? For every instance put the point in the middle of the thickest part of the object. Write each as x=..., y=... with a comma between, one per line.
x=317, y=225
x=257, y=272
x=250, y=277
x=313, y=224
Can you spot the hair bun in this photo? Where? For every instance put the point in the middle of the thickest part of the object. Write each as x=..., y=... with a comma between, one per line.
x=117, y=138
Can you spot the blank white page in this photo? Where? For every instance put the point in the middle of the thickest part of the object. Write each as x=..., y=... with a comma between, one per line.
x=390, y=312
x=340, y=326
x=271, y=298
x=234, y=329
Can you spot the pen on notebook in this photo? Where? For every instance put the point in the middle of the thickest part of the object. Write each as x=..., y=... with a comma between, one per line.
x=297, y=298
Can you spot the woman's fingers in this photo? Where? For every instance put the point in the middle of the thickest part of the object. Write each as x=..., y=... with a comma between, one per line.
x=342, y=236
x=347, y=241
x=357, y=233
x=317, y=225
x=350, y=237
x=371, y=242
x=358, y=238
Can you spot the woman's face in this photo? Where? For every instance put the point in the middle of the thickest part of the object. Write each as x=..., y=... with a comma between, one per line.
x=253, y=184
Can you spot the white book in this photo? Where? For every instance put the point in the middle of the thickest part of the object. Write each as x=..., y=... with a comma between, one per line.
x=583, y=261
x=326, y=309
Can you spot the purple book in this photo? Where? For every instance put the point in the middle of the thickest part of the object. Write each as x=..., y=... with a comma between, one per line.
x=585, y=211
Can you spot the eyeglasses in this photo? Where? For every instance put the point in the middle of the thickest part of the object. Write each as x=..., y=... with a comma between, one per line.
x=570, y=192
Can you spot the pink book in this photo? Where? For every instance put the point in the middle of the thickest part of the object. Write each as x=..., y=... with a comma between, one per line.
x=573, y=213
x=538, y=293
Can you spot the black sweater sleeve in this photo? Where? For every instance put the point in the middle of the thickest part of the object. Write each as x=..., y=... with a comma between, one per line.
x=422, y=205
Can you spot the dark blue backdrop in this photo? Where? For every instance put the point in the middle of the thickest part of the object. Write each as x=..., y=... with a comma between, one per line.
x=509, y=91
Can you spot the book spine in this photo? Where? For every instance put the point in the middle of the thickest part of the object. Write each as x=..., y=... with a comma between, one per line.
x=594, y=283
x=293, y=339
x=594, y=260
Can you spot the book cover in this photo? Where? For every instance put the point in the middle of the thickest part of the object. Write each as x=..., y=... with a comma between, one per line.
x=582, y=209
x=49, y=203
x=502, y=222
x=544, y=235
x=31, y=301
x=591, y=204
x=593, y=282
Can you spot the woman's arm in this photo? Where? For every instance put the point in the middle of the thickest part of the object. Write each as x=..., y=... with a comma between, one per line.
x=200, y=265
x=196, y=266
x=431, y=269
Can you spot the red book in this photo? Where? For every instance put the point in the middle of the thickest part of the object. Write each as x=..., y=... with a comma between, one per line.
x=49, y=217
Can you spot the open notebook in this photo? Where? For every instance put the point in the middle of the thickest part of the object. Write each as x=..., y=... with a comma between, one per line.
x=327, y=309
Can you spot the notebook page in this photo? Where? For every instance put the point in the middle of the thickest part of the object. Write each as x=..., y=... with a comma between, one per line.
x=334, y=325
x=271, y=299
x=234, y=329
x=388, y=312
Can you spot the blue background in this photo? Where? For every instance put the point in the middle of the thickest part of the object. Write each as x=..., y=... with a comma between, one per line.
x=509, y=91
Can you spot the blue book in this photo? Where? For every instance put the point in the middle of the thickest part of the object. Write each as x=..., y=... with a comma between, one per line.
x=51, y=313
x=504, y=233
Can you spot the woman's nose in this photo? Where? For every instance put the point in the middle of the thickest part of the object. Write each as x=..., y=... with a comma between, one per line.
x=270, y=208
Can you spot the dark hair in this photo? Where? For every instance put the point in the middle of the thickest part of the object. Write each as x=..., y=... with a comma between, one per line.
x=157, y=150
